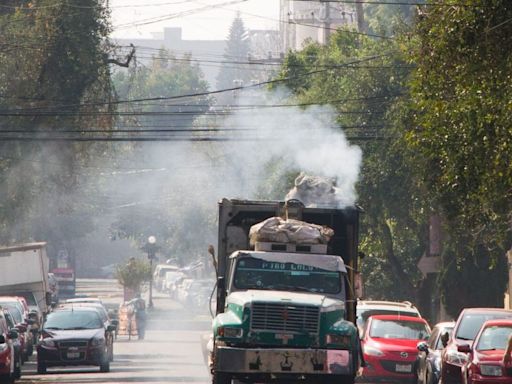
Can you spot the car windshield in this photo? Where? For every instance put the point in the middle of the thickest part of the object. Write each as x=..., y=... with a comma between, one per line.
x=29, y=297
x=470, y=324
x=253, y=273
x=14, y=310
x=399, y=329
x=495, y=337
x=364, y=314
x=73, y=320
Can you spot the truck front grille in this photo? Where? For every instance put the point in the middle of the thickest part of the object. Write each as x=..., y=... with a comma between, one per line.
x=285, y=318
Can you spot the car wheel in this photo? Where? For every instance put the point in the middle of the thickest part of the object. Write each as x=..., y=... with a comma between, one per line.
x=105, y=366
x=17, y=367
x=41, y=367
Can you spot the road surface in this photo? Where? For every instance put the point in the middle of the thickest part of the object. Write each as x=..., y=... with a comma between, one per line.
x=170, y=353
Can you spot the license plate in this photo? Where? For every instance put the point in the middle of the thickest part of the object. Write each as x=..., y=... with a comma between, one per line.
x=404, y=368
x=73, y=355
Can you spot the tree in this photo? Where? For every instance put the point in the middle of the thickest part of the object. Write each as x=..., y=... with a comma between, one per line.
x=365, y=80
x=59, y=54
x=460, y=104
x=237, y=50
x=133, y=274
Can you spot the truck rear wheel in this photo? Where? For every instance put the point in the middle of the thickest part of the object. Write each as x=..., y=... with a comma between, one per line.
x=221, y=378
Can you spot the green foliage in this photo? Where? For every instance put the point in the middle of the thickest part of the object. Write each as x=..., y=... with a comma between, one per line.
x=364, y=80
x=237, y=49
x=133, y=274
x=461, y=94
x=59, y=55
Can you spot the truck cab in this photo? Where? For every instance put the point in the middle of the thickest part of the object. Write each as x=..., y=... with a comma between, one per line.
x=285, y=311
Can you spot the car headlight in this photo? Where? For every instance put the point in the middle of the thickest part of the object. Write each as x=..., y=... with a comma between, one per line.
x=97, y=342
x=490, y=370
x=331, y=338
x=372, y=351
x=230, y=332
x=48, y=343
x=456, y=357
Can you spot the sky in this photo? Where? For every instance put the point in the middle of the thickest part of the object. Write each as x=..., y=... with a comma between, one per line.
x=199, y=19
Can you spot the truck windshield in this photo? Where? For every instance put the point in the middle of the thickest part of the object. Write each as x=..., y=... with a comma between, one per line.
x=253, y=273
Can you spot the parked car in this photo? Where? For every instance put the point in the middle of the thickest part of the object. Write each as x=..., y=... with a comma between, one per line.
x=389, y=347
x=367, y=308
x=17, y=344
x=484, y=363
x=159, y=274
x=428, y=364
x=7, y=352
x=171, y=281
x=17, y=309
x=466, y=329
x=74, y=336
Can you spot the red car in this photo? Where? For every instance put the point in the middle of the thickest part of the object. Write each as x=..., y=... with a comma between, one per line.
x=466, y=329
x=7, y=353
x=389, y=347
x=485, y=356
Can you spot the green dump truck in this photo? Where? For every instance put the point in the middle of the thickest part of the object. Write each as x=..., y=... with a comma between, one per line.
x=285, y=312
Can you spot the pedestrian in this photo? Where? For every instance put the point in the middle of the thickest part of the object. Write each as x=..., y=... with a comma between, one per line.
x=140, y=316
x=506, y=357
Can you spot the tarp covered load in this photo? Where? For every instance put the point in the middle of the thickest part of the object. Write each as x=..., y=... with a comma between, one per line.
x=279, y=230
x=315, y=191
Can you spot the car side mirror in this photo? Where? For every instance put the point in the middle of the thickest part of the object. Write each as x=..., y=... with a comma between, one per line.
x=12, y=334
x=422, y=347
x=2, y=339
x=444, y=339
x=111, y=328
x=464, y=348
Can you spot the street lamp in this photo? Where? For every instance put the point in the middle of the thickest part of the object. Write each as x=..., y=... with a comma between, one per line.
x=151, y=255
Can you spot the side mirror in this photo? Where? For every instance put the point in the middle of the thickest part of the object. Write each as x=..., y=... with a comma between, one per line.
x=211, y=251
x=12, y=334
x=221, y=291
x=464, y=348
x=422, y=347
x=111, y=328
x=2, y=339
x=445, y=337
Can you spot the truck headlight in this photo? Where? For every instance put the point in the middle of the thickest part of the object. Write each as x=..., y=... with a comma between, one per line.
x=333, y=307
x=490, y=370
x=230, y=332
x=456, y=357
x=331, y=338
x=372, y=351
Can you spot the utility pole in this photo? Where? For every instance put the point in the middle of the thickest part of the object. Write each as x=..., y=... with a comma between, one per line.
x=327, y=22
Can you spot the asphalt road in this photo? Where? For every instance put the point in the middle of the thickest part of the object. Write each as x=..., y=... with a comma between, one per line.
x=170, y=353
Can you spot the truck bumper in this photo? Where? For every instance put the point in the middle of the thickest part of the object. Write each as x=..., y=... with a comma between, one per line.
x=280, y=361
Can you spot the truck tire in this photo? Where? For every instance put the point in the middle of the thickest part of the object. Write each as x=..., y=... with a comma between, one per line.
x=221, y=378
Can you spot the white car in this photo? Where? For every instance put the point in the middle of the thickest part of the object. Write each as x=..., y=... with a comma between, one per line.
x=367, y=308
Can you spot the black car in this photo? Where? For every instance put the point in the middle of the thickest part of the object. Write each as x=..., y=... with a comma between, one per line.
x=428, y=363
x=73, y=337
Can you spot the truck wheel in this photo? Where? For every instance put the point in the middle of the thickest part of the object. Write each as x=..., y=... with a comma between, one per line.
x=221, y=378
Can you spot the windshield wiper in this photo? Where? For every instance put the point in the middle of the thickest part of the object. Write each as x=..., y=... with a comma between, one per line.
x=78, y=328
x=290, y=287
x=464, y=338
x=52, y=328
